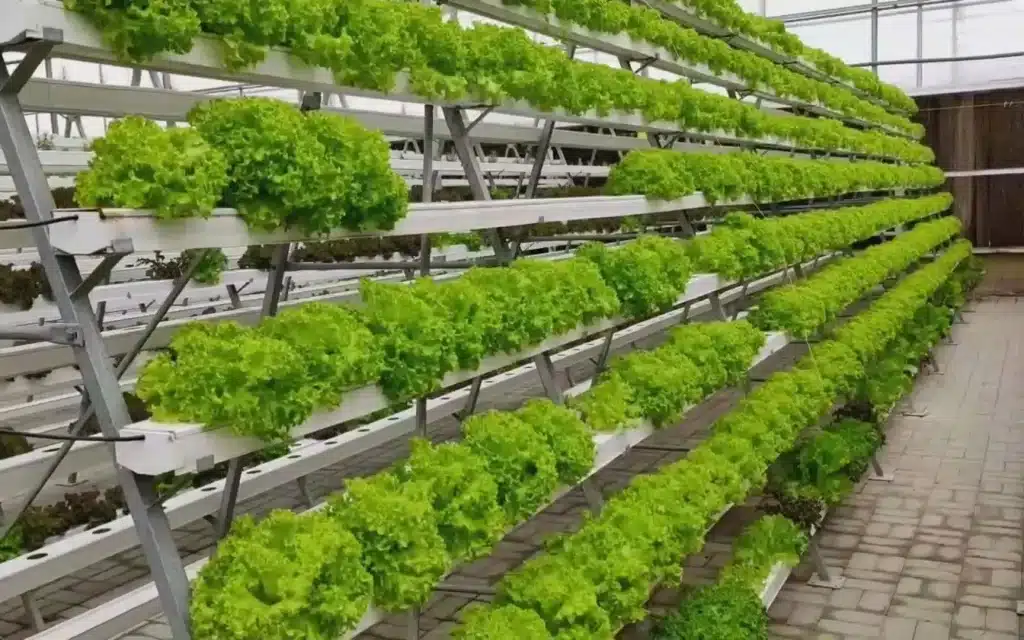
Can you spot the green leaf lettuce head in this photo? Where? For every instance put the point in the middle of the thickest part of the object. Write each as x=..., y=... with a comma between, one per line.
x=519, y=458
x=225, y=375
x=501, y=623
x=570, y=439
x=138, y=30
x=396, y=525
x=339, y=352
x=276, y=156
x=289, y=576
x=770, y=540
x=140, y=165
x=463, y=494
x=727, y=611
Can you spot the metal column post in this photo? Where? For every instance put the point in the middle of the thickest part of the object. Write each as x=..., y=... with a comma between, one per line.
x=919, y=68
x=874, y=36
x=822, y=575
x=879, y=473
x=546, y=370
x=474, y=395
x=544, y=144
x=98, y=376
x=954, y=35
x=428, y=196
x=716, y=306
x=459, y=131
x=271, y=301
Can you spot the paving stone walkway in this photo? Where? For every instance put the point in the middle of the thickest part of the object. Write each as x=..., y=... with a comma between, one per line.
x=937, y=553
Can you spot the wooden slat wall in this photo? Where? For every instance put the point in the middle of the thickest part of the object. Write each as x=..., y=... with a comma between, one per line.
x=981, y=131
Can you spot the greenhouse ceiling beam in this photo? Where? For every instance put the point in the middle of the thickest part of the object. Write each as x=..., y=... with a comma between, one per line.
x=974, y=58
x=861, y=9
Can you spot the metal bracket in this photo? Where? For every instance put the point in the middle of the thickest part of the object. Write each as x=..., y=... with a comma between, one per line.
x=98, y=275
x=37, y=52
x=661, y=448
x=33, y=616
x=644, y=63
x=56, y=332
x=822, y=576
x=606, y=348
x=716, y=306
x=595, y=501
x=412, y=625
x=474, y=396
x=546, y=370
x=236, y=300
x=912, y=411
x=307, y=497
x=486, y=112
x=879, y=474
x=421, y=417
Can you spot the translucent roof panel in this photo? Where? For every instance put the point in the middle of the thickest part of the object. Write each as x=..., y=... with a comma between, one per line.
x=947, y=28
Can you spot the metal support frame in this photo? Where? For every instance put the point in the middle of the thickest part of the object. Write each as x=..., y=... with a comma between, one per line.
x=236, y=299
x=474, y=396
x=33, y=616
x=878, y=473
x=98, y=375
x=822, y=574
x=737, y=304
x=687, y=225
x=544, y=144
x=716, y=306
x=546, y=371
x=874, y=36
x=307, y=497
x=394, y=265
x=592, y=494
x=86, y=409
x=459, y=130
x=56, y=332
x=606, y=349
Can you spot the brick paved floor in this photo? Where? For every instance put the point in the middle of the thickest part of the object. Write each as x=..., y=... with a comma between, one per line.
x=937, y=553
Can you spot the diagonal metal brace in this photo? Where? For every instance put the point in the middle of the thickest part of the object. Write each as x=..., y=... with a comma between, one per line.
x=483, y=114
x=34, y=56
x=97, y=276
x=644, y=63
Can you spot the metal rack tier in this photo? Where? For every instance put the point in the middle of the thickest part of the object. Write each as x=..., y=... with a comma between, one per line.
x=624, y=47
x=140, y=604
x=75, y=38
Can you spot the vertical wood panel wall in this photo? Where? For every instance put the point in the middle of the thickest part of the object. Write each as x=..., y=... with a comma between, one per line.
x=981, y=131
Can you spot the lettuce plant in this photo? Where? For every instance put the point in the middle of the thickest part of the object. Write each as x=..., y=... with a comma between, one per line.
x=664, y=174
x=287, y=573
x=139, y=165
x=463, y=494
x=396, y=525
x=518, y=457
x=501, y=623
x=224, y=375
